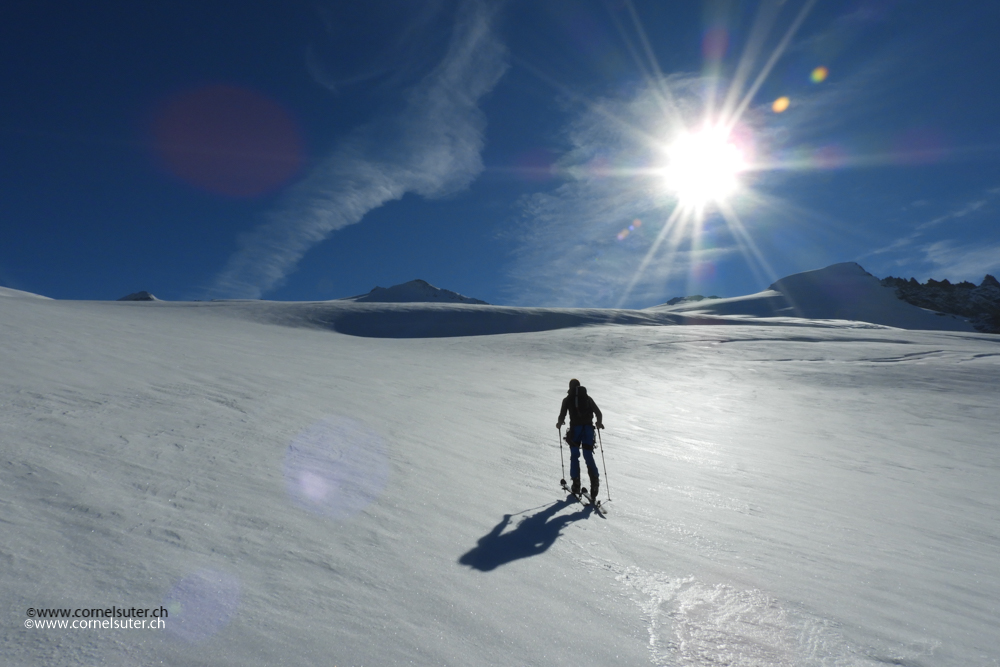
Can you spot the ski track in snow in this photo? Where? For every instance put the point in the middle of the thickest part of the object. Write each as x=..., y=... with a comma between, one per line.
x=693, y=623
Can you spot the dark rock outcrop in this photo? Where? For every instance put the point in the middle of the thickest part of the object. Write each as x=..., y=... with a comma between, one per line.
x=689, y=299
x=139, y=296
x=415, y=291
x=980, y=304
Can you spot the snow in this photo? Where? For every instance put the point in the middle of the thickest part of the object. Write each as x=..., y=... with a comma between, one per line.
x=838, y=292
x=344, y=483
x=16, y=293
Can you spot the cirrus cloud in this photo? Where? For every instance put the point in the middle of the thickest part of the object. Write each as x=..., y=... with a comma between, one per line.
x=431, y=148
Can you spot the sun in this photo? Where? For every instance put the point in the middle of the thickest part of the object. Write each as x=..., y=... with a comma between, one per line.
x=703, y=167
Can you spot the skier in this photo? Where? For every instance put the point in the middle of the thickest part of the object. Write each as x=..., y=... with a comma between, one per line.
x=581, y=409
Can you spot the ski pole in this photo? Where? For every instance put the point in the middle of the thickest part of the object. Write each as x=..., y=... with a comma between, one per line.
x=562, y=462
x=607, y=487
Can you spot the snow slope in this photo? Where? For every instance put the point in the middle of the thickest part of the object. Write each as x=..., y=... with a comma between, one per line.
x=783, y=495
x=16, y=293
x=838, y=292
x=413, y=320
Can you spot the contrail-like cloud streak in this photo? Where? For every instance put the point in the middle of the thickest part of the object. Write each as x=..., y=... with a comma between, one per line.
x=432, y=148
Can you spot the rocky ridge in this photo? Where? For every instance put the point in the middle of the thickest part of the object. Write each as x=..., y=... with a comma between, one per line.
x=139, y=296
x=980, y=304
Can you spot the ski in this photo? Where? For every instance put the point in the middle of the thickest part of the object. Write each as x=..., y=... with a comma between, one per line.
x=598, y=506
x=584, y=499
x=578, y=496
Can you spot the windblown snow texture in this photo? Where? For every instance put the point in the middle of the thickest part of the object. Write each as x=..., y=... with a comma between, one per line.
x=787, y=493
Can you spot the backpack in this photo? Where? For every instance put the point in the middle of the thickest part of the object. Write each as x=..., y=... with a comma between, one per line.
x=583, y=407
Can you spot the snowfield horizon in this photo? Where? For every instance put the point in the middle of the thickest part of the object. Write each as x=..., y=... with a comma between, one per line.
x=345, y=483
x=840, y=295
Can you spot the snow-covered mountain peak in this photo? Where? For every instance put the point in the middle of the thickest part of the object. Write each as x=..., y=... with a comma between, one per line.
x=415, y=291
x=831, y=276
x=842, y=291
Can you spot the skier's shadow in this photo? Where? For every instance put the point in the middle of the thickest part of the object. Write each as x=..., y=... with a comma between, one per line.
x=532, y=536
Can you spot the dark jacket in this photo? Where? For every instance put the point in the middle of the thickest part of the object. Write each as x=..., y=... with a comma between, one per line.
x=581, y=408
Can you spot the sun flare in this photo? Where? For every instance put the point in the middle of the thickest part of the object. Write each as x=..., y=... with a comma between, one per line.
x=703, y=167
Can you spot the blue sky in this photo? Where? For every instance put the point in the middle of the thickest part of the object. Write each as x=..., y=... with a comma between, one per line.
x=511, y=151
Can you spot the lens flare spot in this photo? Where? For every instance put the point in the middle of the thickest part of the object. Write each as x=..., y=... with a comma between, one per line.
x=201, y=604
x=703, y=272
x=920, y=145
x=228, y=140
x=535, y=165
x=313, y=486
x=623, y=234
x=599, y=167
x=780, y=104
x=831, y=156
x=336, y=468
x=819, y=74
x=715, y=43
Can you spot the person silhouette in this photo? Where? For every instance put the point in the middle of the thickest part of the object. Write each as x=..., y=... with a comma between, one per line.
x=580, y=436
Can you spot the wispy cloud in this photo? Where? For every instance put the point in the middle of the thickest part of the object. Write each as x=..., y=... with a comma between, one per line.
x=923, y=256
x=960, y=212
x=965, y=209
x=431, y=148
x=963, y=261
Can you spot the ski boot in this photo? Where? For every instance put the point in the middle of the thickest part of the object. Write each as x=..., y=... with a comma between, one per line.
x=595, y=486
